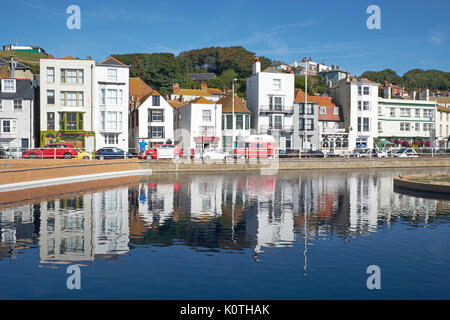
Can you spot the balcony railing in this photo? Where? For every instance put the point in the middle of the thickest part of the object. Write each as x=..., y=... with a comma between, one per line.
x=276, y=128
x=276, y=108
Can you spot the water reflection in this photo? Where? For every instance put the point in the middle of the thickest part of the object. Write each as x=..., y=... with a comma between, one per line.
x=210, y=212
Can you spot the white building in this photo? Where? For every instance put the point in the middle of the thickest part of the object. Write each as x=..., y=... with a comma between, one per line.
x=198, y=125
x=152, y=121
x=405, y=119
x=67, y=101
x=111, y=104
x=359, y=100
x=270, y=97
x=17, y=113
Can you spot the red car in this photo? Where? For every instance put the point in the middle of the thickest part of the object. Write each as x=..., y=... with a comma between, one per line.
x=163, y=151
x=52, y=151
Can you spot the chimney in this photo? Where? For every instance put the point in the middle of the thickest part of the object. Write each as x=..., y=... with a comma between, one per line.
x=175, y=88
x=332, y=67
x=13, y=68
x=256, y=66
x=204, y=86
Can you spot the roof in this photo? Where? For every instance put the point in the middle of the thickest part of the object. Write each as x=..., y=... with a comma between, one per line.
x=151, y=94
x=227, y=105
x=111, y=61
x=138, y=88
x=192, y=92
x=176, y=103
x=201, y=100
x=19, y=65
x=443, y=109
x=326, y=102
x=215, y=91
x=201, y=76
x=24, y=90
x=272, y=70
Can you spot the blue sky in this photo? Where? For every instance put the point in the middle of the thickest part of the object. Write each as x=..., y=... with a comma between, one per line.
x=414, y=34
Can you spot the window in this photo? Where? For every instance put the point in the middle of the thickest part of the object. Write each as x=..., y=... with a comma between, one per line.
x=206, y=131
x=1, y=104
x=309, y=124
x=8, y=126
x=102, y=97
x=247, y=122
x=309, y=109
x=50, y=74
x=392, y=114
x=417, y=113
x=359, y=105
x=72, y=76
x=322, y=110
x=366, y=105
x=112, y=74
x=366, y=126
x=366, y=91
x=50, y=96
x=111, y=120
x=111, y=138
x=380, y=126
x=17, y=105
x=9, y=85
x=427, y=127
x=111, y=97
x=50, y=121
x=380, y=110
x=206, y=115
x=229, y=119
x=275, y=103
x=156, y=116
x=71, y=121
x=155, y=100
x=72, y=99
x=417, y=126
x=240, y=121
x=359, y=90
x=405, y=126
x=156, y=132
x=276, y=84
x=336, y=110
x=277, y=122
x=427, y=113
x=405, y=112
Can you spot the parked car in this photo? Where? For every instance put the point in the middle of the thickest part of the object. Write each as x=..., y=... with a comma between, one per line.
x=163, y=151
x=372, y=153
x=83, y=154
x=108, y=153
x=214, y=154
x=334, y=154
x=314, y=154
x=289, y=153
x=51, y=151
x=406, y=152
x=356, y=153
x=14, y=153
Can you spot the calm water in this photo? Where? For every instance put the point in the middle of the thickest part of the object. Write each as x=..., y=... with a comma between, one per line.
x=295, y=235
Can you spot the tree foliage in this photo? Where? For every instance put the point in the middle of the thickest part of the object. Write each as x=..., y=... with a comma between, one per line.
x=162, y=70
x=413, y=79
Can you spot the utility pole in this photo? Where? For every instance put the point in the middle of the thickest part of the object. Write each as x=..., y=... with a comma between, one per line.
x=232, y=110
x=306, y=106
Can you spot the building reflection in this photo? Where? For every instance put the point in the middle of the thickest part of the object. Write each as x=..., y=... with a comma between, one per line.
x=211, y=212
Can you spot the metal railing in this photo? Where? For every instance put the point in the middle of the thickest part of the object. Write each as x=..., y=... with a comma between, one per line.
x=274, y=128
x=276, y=108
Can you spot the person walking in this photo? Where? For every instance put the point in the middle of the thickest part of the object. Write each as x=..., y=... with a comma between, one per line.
x=142, y=145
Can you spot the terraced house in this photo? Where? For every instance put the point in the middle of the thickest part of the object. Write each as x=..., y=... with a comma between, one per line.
x=67, y=101
x=111, y=104
x=404, y=119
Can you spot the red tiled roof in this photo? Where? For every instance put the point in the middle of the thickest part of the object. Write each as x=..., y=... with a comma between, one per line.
x=138, y=88
x=325, y=102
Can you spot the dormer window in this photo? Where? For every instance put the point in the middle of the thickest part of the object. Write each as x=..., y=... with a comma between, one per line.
x=9, y=85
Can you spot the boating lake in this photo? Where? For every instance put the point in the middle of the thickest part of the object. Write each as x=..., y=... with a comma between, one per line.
x=240, y=235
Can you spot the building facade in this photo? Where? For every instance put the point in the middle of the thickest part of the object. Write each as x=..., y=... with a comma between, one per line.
x=270, y=98
x=306, y=123
x=401, y=119
x=111, y=104
x=17, y=113
x=67, y=102
x=359, y=100
x=198, y=125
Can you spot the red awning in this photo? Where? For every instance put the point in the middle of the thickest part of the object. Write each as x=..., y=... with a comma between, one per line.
x=206, y=139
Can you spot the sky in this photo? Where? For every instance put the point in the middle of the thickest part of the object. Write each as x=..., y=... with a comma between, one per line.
x=413, y=34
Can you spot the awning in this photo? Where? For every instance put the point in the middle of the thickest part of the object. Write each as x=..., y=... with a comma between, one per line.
x=206, y=139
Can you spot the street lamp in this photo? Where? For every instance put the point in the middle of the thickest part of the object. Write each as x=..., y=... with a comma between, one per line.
x=232, y=110
x=306, y=106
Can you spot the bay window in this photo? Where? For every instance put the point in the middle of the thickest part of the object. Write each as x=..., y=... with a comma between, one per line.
x=111, y=120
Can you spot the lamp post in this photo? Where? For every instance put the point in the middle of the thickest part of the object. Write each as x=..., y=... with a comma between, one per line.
x=306, y=106
x=232, y=110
